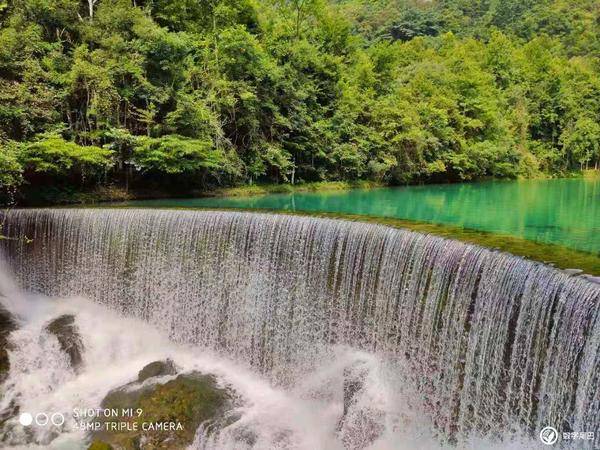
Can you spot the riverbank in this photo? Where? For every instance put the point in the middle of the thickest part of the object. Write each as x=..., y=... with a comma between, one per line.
x=319, y=186
x=106, y=194
x=51, y=196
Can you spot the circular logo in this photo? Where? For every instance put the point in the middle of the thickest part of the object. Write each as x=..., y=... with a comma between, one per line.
x=549, y=435
x=25, y=419
x=57, y=419
x=41, y=419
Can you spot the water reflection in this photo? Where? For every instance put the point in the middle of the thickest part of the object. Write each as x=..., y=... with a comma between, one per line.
x=564, y=211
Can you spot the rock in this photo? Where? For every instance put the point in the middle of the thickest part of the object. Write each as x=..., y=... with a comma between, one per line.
x=7, y=326
x=572, y=272
x=179, y=406
x=10, y=411
x=99, y=445
x=157, y=369
x=68, y=336
x=354, y=377
x=360, y=425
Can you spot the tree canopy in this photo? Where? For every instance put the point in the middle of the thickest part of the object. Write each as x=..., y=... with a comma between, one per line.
x=223, y=92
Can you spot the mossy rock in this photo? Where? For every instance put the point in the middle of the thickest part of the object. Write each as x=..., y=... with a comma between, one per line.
x=130, y=393
x=99, y=445
x=68, y=336
x=188, y=400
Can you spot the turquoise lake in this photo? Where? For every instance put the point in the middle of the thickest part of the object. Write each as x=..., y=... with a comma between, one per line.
x=559, y=211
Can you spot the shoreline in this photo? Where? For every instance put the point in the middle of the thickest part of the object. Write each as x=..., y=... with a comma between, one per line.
x=112, y=193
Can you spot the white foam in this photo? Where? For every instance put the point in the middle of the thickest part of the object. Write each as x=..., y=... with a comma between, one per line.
x=304, y=415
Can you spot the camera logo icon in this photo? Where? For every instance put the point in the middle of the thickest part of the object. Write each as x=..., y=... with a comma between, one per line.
x=549, y=435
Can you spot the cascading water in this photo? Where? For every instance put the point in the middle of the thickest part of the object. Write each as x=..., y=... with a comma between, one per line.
x=488, y=344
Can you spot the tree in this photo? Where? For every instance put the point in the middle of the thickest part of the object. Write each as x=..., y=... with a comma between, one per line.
x=11, y=170
x=174, y=154
x=581, y=142
x=238, y=91
x=51, y=154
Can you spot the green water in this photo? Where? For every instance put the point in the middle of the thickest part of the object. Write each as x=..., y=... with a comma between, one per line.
x=564, y=211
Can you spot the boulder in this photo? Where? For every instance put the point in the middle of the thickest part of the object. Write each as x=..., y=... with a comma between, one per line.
x=157, y=369
x=360, y=424
x=7, y=325
x=354, y=378
x=99, y=445
x=65, y=330
x=169, y=412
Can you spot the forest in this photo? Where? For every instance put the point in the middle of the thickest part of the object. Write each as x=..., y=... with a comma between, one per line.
x=184, y=95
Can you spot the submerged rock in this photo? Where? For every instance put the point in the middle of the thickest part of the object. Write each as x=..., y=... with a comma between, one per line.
x=354, y=379
x=68, y=336
x=164, y=415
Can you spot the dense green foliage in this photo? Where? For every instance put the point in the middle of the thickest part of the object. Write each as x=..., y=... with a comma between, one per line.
x=193, y=93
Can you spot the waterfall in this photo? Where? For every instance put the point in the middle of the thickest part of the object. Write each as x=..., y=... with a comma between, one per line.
x=495, y=343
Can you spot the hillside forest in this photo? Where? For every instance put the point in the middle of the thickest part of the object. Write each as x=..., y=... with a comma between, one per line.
x=184, y=95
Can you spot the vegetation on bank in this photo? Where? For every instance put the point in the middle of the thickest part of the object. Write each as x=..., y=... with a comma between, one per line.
x=179, y=95
x=317, y=186
x=65, y=195
x=591, y=174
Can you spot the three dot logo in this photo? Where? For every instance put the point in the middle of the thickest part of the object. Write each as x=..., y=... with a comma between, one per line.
x=549, y=435
x=42, y=419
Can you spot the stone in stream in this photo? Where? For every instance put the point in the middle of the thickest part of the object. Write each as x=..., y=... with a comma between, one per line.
x=65, y=330
x=7, y=325
x=360, y=425
x=170, y=412
x=157, y=369
x=99, y=445
x=354, y=379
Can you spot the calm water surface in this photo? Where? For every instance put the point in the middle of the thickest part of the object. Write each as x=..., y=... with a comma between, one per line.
x=563, y=211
